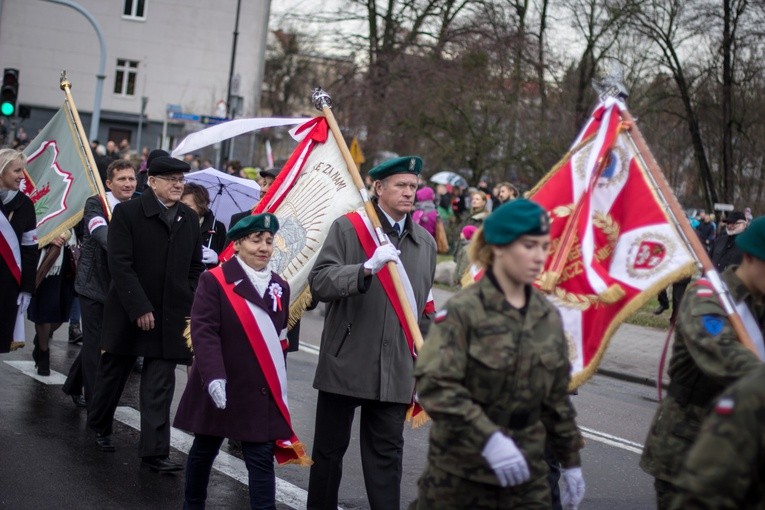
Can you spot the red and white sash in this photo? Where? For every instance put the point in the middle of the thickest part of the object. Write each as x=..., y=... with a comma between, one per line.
x=267, y=348
x=10, y=251
x=369, y=243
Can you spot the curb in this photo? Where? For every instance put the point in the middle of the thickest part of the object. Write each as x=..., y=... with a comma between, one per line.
x=636, y=379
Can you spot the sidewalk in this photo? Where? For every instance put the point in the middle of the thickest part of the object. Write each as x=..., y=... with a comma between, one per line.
x=633, y=354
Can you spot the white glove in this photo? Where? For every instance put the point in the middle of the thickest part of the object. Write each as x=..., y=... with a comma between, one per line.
x=209, y=256
x=217, y=390
x=573, y=489
x=506, y=460
x=23, y=302
x=382, y=255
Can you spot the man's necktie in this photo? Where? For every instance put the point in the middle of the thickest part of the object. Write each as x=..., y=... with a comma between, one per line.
x=397, y=228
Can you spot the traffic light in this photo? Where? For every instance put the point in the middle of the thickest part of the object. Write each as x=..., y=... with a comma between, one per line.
x=10, y=92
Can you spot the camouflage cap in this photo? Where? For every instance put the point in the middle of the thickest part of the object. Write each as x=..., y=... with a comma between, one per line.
x=752, y=240
x=265, y=222
x=514, y=219
x=404, y=165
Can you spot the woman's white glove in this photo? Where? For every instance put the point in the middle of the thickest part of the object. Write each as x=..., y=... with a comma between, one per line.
x=217, y=390
x=506, y=460
x=573, y=489
x=209, y=256
x=23, y=302
x=382, y=255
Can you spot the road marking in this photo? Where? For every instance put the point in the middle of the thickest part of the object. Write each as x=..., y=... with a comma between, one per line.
x=309, y=348
x=286, y=493
x=28, y=368
x=610, y=440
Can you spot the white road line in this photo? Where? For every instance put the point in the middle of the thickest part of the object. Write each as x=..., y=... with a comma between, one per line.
x=286, y=493
x=610, y=440
x=28, y=368
x=309, y=348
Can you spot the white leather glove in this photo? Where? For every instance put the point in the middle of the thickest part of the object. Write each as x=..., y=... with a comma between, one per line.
x=23, y=302
x=217, y=390
x=506, y=460
x=382, y=255
x=209, y=256
x=573, y=488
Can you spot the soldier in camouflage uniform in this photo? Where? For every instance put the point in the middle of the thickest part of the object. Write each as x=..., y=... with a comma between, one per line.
x=725, y=468
x=493, y=375
x=706, y=357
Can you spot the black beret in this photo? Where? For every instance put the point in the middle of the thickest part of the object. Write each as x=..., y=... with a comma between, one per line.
x=154, y=155
x=265, y=222
x=734, y=216
x=404, y=165
x=514, y=219
x=269, y=172
x=167, y=165
x=752, y=240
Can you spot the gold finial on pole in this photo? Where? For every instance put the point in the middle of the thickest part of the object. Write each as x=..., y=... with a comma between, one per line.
x=64, y=82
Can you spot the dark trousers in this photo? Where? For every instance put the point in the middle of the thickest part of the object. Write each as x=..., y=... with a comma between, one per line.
x=156, y=394
x=258, y=457
x=82, y=374
x=382, y=447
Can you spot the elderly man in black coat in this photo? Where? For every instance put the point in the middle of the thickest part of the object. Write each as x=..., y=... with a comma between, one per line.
x=155, y=259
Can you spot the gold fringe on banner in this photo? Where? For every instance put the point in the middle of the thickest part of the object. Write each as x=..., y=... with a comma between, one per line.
x=16, y=345
x=417, y=420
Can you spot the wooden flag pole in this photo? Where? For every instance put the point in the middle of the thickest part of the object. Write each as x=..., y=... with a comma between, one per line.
x=642, y=150
x=66, y=86
x=323, y=102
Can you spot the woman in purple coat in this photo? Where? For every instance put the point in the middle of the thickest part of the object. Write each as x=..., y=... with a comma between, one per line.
x=237, y=387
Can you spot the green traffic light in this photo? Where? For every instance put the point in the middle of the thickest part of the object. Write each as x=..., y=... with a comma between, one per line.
x=7, y=109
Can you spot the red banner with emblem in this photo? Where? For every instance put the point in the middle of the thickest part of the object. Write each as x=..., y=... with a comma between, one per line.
x=614, y=244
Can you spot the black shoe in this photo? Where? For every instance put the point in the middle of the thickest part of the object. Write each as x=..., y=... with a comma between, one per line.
x=104, y=443
x=43, y=362
x=660, y=310
x=79, y=401
x=161, y=464
x=75, y=333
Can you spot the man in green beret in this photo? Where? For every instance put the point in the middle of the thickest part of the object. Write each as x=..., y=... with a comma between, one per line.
x=706, y=357
x=366, y=358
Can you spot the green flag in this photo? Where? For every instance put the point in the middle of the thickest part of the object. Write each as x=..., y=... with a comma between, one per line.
x=58, y=178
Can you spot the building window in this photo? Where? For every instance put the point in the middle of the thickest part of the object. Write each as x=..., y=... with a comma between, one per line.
x=124, y=77
x=134, y=9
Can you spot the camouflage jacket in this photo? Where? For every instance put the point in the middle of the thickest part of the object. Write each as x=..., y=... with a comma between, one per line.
x=725, y=469
x=486, y=367
x=706, y=357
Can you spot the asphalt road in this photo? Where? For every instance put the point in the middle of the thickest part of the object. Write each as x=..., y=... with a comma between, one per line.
x=48, y=458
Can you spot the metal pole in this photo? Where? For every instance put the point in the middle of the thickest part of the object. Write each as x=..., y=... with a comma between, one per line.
x=144, y=100
x=230, y=77
x=101, y=76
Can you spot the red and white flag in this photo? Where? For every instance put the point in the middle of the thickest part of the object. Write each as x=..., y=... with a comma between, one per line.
x=614, y=244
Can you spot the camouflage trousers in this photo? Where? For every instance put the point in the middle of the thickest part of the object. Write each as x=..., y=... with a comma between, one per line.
x=665, y=494
x=439, y=490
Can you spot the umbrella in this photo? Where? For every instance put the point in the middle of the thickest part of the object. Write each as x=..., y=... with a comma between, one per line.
x=228, y=194
x=449, y=178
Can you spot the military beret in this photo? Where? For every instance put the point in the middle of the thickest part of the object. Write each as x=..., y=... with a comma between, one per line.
x=513, y=219
x=404, y=165
x=167, y=165
x=265, y=222
x=752, y=240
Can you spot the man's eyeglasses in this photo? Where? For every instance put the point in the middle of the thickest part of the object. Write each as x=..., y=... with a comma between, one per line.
x=174, y=180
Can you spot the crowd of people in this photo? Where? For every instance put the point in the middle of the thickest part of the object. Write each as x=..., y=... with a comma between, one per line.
x=493, y=373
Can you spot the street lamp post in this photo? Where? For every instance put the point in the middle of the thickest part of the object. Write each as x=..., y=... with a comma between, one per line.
x=144, y=100
x=224, y=152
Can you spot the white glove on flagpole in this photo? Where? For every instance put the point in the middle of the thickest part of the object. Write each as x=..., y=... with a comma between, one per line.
x=506, y=460
x=382, y=255
x=23, y=302
x=217, y=390
x=209, y=256
x=573, y=488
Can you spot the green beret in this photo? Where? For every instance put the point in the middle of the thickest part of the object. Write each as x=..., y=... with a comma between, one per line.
x=265, y=222
x=404, y=165
x=752, y=240
x=514, y=219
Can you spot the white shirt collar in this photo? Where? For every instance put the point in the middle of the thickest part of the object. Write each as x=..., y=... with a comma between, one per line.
x=392, y=222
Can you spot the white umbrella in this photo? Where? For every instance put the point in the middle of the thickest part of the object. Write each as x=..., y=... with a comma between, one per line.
x=228, y=194
x=449, y=178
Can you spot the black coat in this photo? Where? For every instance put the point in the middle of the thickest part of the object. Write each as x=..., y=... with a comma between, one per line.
x=213, y=233
x=92, y=280
x=154, y=268
x=725, y=253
